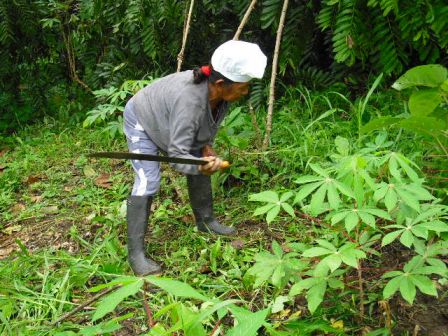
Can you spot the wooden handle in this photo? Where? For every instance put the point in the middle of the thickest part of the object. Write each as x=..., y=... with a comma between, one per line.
x=224, y=165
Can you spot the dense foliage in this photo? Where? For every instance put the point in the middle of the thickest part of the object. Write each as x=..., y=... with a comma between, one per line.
x=342, y=221
x=53, y=53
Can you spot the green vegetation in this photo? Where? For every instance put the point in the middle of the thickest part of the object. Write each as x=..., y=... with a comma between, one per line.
x=342, y=220
x=342, y=227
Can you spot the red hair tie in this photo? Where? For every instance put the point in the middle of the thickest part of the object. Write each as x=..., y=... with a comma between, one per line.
x=206, y=70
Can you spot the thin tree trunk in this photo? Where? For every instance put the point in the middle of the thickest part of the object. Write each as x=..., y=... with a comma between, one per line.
x=180, y=56
x=274, y=75
x=71, y=59
x=244, y=20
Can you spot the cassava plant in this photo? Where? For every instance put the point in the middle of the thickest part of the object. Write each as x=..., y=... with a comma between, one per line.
x=365, y=201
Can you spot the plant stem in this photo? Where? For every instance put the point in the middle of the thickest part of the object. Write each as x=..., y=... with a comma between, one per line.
x=361, y=292
x=216, y=327
x=147, y=308
x=85, y=304
x=180, y=56
x=274, y=75
x=244, y=20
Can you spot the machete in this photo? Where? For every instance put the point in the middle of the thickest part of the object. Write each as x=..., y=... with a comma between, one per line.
x=149, y=157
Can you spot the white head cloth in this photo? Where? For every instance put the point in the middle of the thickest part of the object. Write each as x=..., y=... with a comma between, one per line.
x=239, y=61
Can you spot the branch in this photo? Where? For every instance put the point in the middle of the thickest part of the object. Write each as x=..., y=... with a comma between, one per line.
x=180, y=56
x=85, y=304
x=71, y=59
x=274, y=75
x=244, y=20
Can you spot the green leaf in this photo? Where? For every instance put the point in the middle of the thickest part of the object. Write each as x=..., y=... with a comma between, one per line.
x=278, y=276
x=306, y=190
x=391, y=199
x=176, y=288
x=390, y=237
x=425, y=125
x=315, y=295
x=109, y=303
x=289, y=209
x=380, y=192
x=326, y=244
x=342, y=145
x=333, y=197
x=409, y=199
x=249, y=324
x=379, y=123
x=351, y=221
x=316, y=251
x=437, y=226
x=336, y=218
x=298, y=287
x=265, y=196
x=419, y=191
x=308, y=179
x=367, y=218
x=344, y=189
x=392, y=286
x=424, y=102
x=424, y=284
x=407, y=238
x=318, y=170
x=286, y=196
x=378, y=213
x=277, y=249
x=407, y=289
x=431, y=75
x=333, y=261
x=317, y=200
x=263, y=209
x=272, y=214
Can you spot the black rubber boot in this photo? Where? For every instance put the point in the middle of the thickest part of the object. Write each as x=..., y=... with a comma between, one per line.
x=200, y=193
x=137, y=218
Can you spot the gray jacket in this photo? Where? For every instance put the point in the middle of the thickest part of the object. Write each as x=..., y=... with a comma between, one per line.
x=177, y=116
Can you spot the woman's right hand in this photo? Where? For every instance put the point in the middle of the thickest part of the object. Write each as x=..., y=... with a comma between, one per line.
x=213, y=165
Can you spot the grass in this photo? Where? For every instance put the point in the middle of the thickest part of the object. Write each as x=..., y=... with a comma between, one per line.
x=64, y=216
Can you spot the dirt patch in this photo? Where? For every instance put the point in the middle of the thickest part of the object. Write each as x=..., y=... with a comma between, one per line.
x=34, y=233
x=427, y=316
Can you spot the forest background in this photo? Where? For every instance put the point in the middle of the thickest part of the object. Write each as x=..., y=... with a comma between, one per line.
x=340, y=138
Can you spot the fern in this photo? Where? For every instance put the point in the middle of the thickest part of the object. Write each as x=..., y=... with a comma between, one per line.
x=386, y=6
x=270, y=13
x=387, y=57
x=344, y=36
x=314, y=78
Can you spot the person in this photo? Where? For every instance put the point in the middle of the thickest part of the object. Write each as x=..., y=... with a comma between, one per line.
x=179, y=115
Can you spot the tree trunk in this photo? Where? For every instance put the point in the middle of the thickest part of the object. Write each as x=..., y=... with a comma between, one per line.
x=180, y=56
x=244, y=20
x=274, y=75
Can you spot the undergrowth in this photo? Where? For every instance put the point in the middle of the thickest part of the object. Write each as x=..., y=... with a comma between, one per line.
x=62, y=223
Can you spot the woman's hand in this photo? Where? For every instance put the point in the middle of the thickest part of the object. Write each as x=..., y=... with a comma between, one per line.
x=213, y=165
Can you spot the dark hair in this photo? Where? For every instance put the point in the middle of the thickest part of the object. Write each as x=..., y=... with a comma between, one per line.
x=200, y=74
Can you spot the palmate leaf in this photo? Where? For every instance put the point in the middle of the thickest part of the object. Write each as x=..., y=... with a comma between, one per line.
x=275, y=204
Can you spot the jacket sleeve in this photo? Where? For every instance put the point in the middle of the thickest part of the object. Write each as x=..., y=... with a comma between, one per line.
x=184, y=125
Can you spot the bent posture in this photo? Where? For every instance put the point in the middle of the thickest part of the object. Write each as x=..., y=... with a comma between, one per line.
x=180, y=114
